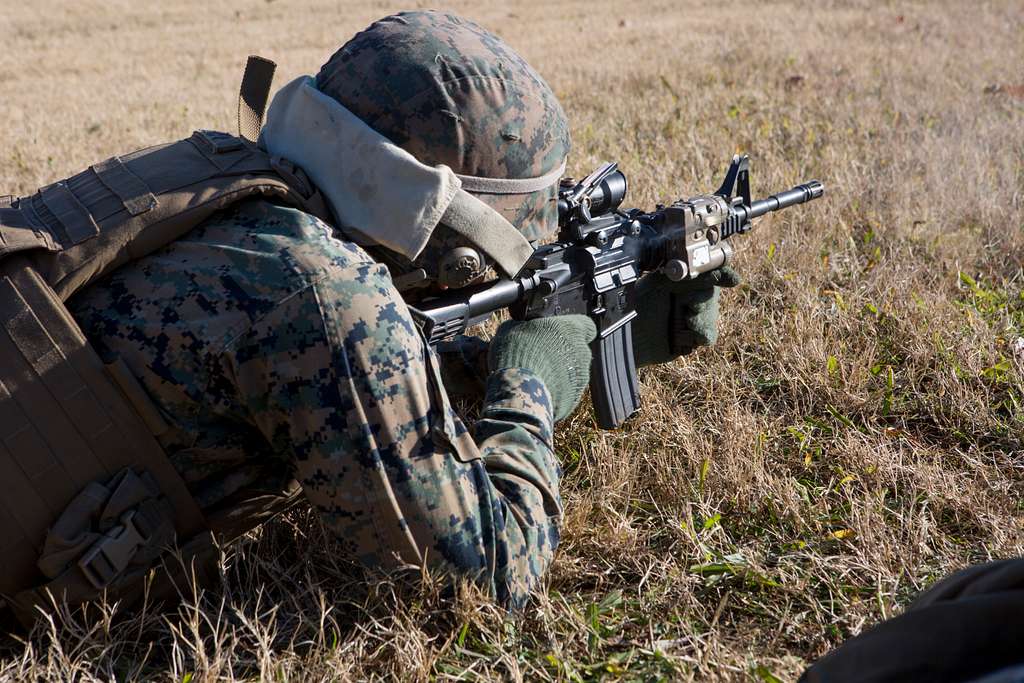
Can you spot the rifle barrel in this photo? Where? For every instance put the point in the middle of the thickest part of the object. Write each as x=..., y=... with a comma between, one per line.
x=797, y=195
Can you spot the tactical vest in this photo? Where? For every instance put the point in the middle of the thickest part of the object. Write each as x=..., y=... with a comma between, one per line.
x=90, y=501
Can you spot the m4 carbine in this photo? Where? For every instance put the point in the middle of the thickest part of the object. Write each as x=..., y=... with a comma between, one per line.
x=600, y=255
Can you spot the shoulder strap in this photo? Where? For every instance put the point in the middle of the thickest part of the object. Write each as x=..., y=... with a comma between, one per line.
x=120, y=209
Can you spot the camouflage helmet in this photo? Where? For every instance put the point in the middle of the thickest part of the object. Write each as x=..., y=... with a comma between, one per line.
x=450, y=92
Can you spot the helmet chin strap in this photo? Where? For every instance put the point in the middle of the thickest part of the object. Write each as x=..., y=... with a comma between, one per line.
x=503, y=244
x=499, y=242
x=486, y=228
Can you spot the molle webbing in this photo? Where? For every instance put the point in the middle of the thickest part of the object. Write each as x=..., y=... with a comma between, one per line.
x=67, y=421
x=123, y=208
x=63, y=424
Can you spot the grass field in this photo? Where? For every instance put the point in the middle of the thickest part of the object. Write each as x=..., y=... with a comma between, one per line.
x=855, y=434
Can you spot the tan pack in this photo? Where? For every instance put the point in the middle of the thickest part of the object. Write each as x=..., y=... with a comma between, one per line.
x=89, y=499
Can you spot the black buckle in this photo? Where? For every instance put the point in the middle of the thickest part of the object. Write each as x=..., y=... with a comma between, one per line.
x=109, y=556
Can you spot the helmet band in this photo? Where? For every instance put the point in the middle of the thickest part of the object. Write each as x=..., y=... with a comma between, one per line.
x=472, y=183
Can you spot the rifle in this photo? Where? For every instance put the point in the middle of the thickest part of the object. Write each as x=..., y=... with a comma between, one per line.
x=600, y=254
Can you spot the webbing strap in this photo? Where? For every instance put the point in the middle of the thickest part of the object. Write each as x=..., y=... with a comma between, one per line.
x=488, y=229
x=137, y=396
x=480, y=184
x=129, y=188
x=19, y=237
x=76, y=220
x=253, y=96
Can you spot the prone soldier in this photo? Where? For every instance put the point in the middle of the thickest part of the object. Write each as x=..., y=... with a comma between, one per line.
x=237, y=338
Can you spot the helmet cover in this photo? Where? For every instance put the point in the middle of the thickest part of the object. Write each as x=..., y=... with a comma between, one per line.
x=450, y=92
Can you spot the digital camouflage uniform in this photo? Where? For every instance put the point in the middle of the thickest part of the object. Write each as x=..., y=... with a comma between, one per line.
x=276, y=349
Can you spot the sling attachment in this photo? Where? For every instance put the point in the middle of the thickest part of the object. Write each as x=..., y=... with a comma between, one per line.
x=253, y=96
x=6, y=201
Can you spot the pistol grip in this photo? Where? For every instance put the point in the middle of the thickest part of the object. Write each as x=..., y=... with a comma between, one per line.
x=614, y=389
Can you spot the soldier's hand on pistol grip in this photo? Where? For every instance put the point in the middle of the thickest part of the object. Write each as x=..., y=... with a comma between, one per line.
x=464, y=366
x=555, y=349
x=674, y=318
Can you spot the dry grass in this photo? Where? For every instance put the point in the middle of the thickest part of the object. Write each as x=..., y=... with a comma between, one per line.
x=856, y=433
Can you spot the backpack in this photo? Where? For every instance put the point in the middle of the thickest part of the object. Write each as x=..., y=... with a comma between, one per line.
x=91, y=501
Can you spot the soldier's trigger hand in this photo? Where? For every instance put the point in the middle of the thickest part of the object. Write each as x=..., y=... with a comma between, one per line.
x=674, y=318
x=556, y=350
x=464, y=366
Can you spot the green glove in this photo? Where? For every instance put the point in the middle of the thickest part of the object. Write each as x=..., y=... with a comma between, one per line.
x=556, y=349
x=674, y=318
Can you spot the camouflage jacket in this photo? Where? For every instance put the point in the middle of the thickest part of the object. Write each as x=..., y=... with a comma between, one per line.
x=276, y=350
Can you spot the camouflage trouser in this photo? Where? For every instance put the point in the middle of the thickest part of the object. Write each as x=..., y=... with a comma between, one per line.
x=265, y=340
